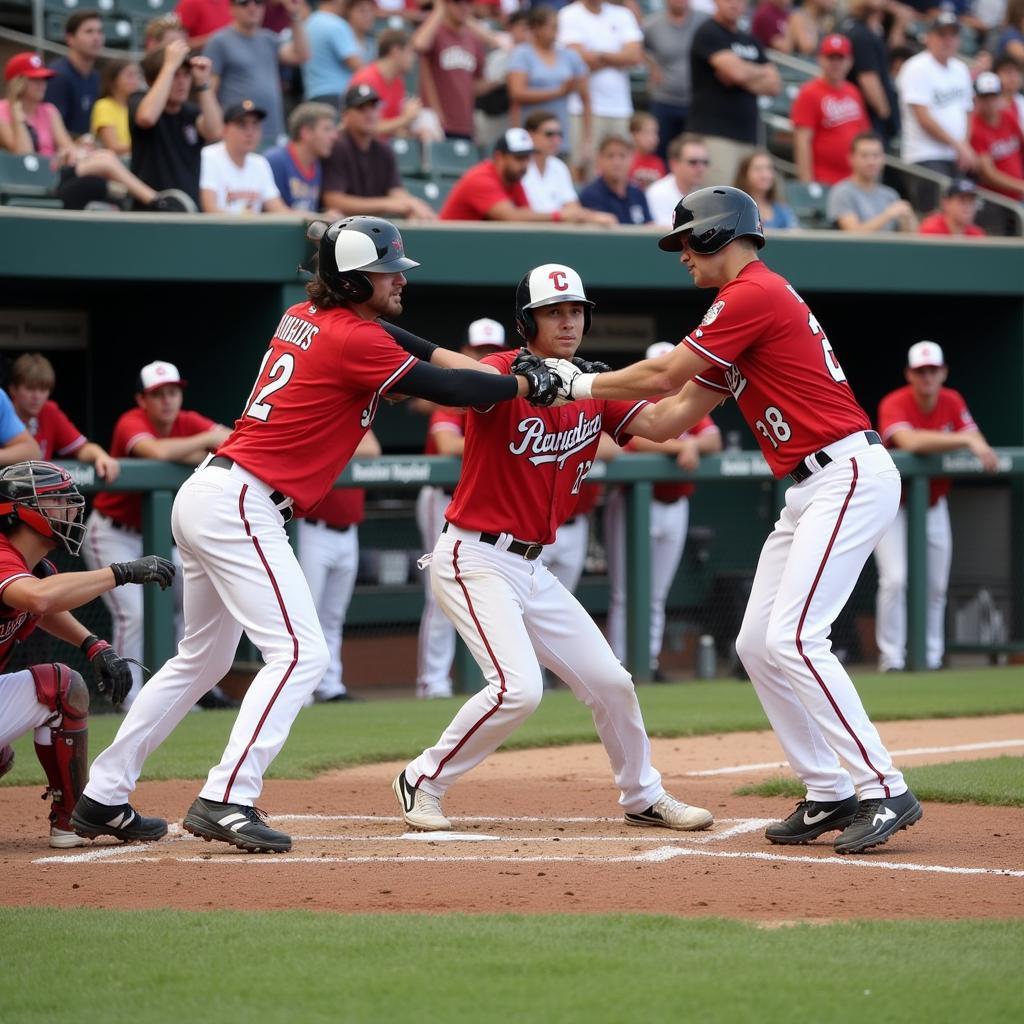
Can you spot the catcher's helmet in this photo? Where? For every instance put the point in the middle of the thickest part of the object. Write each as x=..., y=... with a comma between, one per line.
x=351, y=248
x=713, y=217
x=545, y=286
x=44, y=497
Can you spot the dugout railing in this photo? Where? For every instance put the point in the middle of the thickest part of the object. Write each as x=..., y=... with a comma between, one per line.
x=158, y=482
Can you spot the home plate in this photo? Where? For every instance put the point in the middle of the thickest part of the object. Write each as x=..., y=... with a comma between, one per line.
x=449, y=837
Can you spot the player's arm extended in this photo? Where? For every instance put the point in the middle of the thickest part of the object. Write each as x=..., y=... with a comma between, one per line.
x=675, y=414
x=58, y=593
x=649, y=377
x=936, y=442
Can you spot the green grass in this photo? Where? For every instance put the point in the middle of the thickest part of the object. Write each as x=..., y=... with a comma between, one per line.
x=337, y=735
x=996, y=781
x=303, y=968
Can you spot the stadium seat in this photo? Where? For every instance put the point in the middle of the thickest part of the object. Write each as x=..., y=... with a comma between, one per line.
x=451, y=158
x=809, y=201
x=24, y=178
x=409, y=154
x=432, y=192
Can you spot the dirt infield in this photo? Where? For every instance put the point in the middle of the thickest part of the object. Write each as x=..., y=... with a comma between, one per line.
x=540, y=831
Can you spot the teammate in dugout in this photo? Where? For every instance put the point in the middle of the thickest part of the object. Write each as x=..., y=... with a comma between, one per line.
x=760, y=343
x=522, y=471
x=41, y=509
x=329, y=364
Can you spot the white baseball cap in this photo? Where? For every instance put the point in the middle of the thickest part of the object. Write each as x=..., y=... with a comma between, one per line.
x=925, y=353
x=486, y=332
x=659, y=348
x=156, y=374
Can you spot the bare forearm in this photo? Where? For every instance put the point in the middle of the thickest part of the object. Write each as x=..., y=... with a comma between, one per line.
x=933, y=442
x=59, y=593
x=20, y=449
x=64, y=626
x=211, y=125
x=802, y=147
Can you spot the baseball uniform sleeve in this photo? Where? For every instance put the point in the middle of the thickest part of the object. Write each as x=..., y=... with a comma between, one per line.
x=67, y=438
x=372, y=361
x=191, y=422
x=448, y=421
x=713, y=378
x=132, y=428
x=893, y=415
x=732, y=324
x=617, y=418
x=964, y=419
x=10, y=425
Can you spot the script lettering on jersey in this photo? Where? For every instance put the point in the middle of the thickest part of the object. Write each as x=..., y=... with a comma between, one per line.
x=554, y=445
x=10, y=627
x=735, y=381
x=296, y=331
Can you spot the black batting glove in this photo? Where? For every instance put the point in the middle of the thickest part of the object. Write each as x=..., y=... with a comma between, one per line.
x=590, y=365
x=148, y=569
x=113, y=676
x=525, y=360
x=543, y=385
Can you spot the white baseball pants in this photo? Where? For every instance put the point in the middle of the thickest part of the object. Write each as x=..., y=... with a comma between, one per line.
x=669, y=523
x=435, y=645
x=566, y=556
x=891, y=600
x=21, y=711
x=330, y=563
x=807, y=570
x=240, y=573
x=512, y=612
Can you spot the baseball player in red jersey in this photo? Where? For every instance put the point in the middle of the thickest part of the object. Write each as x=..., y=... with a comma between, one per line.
x=760, y=343
x=30, y=385
x=670, y=518
x=329, y=354
x=925, y=418
x=435, y=649
x=41, y=509
x=522, y=471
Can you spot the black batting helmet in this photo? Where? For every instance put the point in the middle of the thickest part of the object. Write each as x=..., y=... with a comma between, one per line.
x=44, y=497
x=713, y=217
x=545, y=286
x=351, y=248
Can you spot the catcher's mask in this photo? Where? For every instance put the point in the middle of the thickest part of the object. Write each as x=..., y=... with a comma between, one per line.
x=43, y=497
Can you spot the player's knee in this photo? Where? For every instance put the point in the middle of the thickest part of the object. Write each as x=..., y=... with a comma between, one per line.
x=63, y=690
x=317, y=656
x=780, y=642
x=749, y=644
x=522, y=694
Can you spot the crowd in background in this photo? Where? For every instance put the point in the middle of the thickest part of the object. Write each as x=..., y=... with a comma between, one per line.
x=249, y=106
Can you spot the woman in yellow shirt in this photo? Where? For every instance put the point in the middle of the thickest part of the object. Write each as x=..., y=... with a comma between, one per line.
x=109, y=125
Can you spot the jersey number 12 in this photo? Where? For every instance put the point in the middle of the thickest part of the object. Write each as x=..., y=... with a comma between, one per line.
x=280, y=373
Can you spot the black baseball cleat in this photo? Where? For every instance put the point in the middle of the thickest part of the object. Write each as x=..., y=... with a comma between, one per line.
x=237, y=824
x=92, y=819
x=878, y=821
x=812, y=818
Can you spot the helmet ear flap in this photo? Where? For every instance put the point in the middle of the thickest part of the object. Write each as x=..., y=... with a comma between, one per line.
x=354, y=285
x=526, y=325
x=588, y=317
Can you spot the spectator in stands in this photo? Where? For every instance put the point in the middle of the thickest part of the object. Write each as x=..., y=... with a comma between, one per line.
x=30, y=384
x=935, y=104
x=548, y=181
x=542, y=76
x=334, y=54
x=959, y=207
x=997, y=138
x=756, y=176
x=493, y=105
x=668, y=42
x=861, y=202
x=827, y=114
x=770, y=25
x=730, y=70
x=201, y=18
x=245, y=60
x=161, y=31
x=233, y=177
x=361, y=173
x=611, y=190
x=647, y=166
x=688, y=162
x=168, y=130
x=121, y=79
x=399, y=113
x=610, y=41
x=298, y=166
x=16, y=443
x=870, y=71
x=361, y=16
x=1010, y=42
x=1011, y=74
x=28, y=124
x=75, y=85
x=451, y=45
x=809, y=24
x=493, y=189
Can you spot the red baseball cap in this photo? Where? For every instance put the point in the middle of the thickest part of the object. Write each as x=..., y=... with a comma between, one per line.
x=30, y=65
x=836, y=45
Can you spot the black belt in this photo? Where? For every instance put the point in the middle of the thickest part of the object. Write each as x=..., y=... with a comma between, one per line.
x=329, y=526
x=276, y=497
x=801, y=473
x=517, y=547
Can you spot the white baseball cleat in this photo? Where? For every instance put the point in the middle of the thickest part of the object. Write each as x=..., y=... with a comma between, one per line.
x=60, y=839
x=420, y=810
x=667, y=812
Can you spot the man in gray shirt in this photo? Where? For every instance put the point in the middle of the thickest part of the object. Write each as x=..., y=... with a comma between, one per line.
x=245, y=57
x=861, y=202
x=668, y=37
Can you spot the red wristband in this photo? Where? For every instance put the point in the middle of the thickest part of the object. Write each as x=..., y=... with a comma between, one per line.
x=92, y=645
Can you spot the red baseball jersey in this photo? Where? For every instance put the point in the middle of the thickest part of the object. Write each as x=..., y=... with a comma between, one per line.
x=1003, y=143
x=479, y=189
x=56, y=435
x=769, y=352
x=134, y=426
x=936, y=224
x=523, y=467
x=898, y=410
x=589, y=495
x=669, y=492
x=15, y=624
x=444, y=420
x=835, y=114
x=318, y=390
